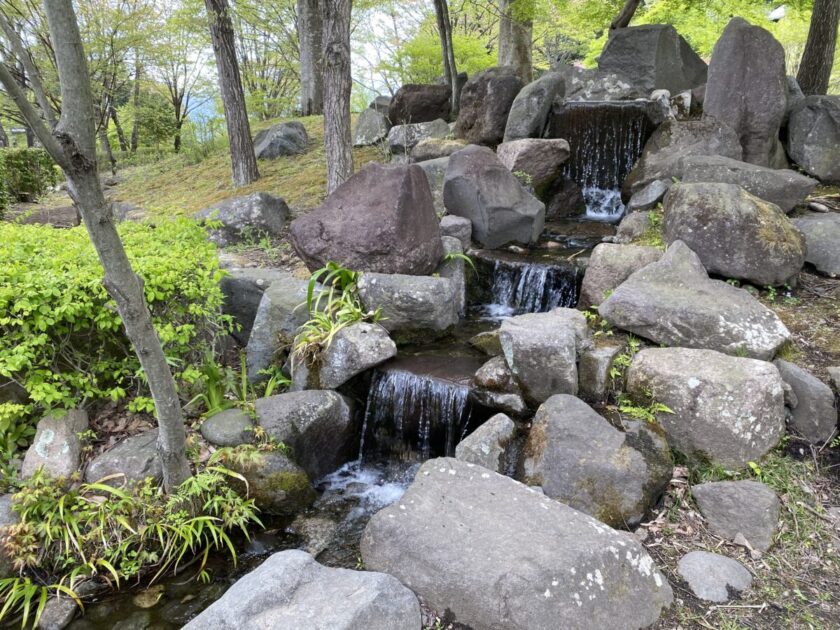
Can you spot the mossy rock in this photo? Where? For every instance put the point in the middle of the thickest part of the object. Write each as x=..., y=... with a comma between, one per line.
x=278, y=486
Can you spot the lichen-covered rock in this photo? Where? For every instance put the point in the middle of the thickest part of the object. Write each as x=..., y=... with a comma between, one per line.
x=723, y=409
x=589, y=84
x=244, y=217
x=748, y=508
x=277, y=485
x=577, y=457
x=489, y=445
x=814, y=417
x=133, y=459
x=539, y=158
x=498, y=555
x=291, y=590
x=230, y=427
x=434, y=148
x=822, y=240
x=814, y=136
x=57, y=448
x=435, y=171
x=403, y=138
x=609, y=266
x=674, y=302
x=486, y=100
x=317, y=425
x=735, y=234
x=529, y=111
x=371, y=127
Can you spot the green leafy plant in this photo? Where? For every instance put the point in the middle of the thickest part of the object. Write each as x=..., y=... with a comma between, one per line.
x=646, y=412
x=523, y=177
x=622, y=361
x=463, y=257
x=25, y=175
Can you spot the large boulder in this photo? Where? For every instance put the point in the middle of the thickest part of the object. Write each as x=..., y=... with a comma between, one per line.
x=291, y=590
x=277, y=485
x=584, y=84
x=576, y=456
x=353, y=350
x=735, y=234
x=673, y=140
x=490, y=445
x=541, y=350
x=381, y=219
x=8, y=517
x=318, y=426
x=479, y=187
x=724, y=409
x=750, y=97
x=822, y=240
x=651, y=57
x=485, y=103
x=813, y=137
x=230, y=427
x=500, y=556
x=243, y=289
x=529, y=112
x=245, y=218
x=133, y=459
x=281, y=311
x=674, y=302
x=539, y=158
x=372, y=127
x=815, y=416
x=748, y=508
x=288, y=138
x=783, y=187
x=609, y=266
x=419, y=103
x=57, y=448
x=411, y=304
x=434, y=148
x=403, y=138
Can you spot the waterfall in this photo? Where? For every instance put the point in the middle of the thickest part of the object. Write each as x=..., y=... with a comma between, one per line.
x=534, y=287
x=606, y=138
x=413, y=414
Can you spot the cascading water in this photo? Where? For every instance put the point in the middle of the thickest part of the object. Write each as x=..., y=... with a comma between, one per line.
x=606, y=138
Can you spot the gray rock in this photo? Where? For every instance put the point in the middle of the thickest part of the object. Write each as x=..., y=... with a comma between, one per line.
x=577, y=457
x=511, y=404
x=453, y=268
x=8, y=517
x=674, y=302
x=653, y=56
x=495, y=375
x=529, y=111
x=245, y=218
x=434, y=148
x=834, y=377
x=457, y=227
x=288, y=138
x=540, y=158
x=403, y=138
x=133, y=459
x=230, y=427
x=318, y=426
x=58, y=613
x=822, y=240
x=419, y=103
x=291, y=590
x=486, y=101
x=480, y=188
x=243, y=290
x=381, y=219
x=814, y=417
x=489, y=445
x=541, y=350
x=710, y=575
x=435, y=171
x=564, y=198
x=499, y=555
x=648, y=197
x=594, y=85
x=381, y=103
x=735, y=234
x=594, y=372
x=372, y=127
x=748, y=508
x=56, y=448
x=632, y=227
x=609, y=266
x=353, y=350
x=487, y=342
x=726, y=409
x=813, y=138
x=411, y=303
x=277, y=485
x=751, y=98
x=317, y=532
x=673, y=140
x=282, y=310
x=783, y=187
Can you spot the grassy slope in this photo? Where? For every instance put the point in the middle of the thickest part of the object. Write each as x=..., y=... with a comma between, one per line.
x=173, y=186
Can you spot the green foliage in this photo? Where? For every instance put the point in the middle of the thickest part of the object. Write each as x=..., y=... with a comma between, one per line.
x=419, y=59
x=462, y=257
x=25, y=175
x=640, y=411
x=61, y=338
x=620, y=364
x=67, y=535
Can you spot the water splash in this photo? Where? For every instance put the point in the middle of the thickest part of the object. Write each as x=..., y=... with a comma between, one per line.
x=415, y=415
x=532, y=287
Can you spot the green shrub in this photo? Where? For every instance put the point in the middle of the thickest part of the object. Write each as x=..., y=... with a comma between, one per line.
x=25, y=175
x=61, y=338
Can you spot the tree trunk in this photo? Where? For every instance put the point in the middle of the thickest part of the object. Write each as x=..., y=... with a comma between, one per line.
x=310, y=27
x=30, y=137
x=105, y=145
x=622, y=20
x=4, y=139
x=243, y=162
x=337, y=84
x=450, y=71
x=73, y=146
x=176, y=143
x=515, y=36
x=120, y=132
x=817, y=59
x=135, y=103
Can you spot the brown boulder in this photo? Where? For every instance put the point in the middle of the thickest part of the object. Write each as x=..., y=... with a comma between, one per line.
x=417, y=103
x=485, y=104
